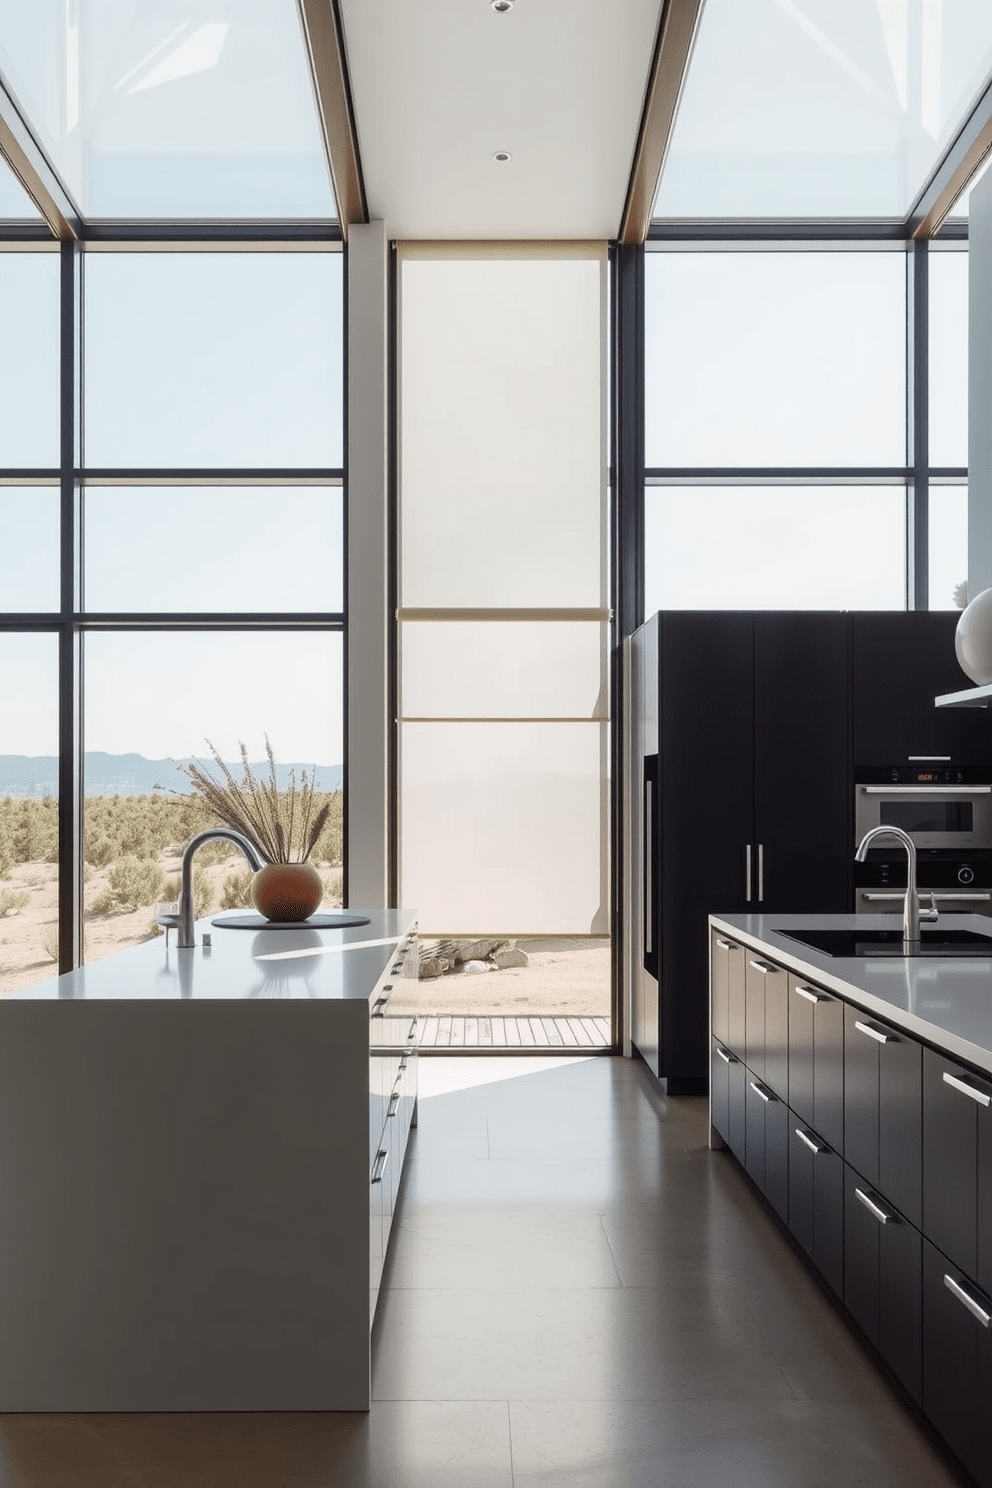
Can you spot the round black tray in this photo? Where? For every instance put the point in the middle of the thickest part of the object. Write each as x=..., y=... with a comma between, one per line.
x=329, y=920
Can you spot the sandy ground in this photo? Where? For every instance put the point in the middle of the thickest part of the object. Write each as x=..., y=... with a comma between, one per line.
x=567, y=977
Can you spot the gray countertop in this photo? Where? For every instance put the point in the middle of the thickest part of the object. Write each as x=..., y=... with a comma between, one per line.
x=947, y=1003
x=336, y=964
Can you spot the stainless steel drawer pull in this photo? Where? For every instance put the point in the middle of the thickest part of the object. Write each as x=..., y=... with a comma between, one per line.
x=873, y=1033
x=974, y=1307
x=980, y=1096
x=807, y=1141
x=725, y=945
x=758, y=1089
x=379, y=1166
x=412, y=1030
x=727, y=1058
x=948, y=897
x=761, y=966
x=394, y=1101
x=809, y=994
x=872, y=1207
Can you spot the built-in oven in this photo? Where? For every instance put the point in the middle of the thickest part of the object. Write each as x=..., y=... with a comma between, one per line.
x=947, y=812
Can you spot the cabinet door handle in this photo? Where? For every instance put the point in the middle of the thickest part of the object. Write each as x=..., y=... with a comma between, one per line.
x=873, y=1033
x=926, y=790
x=725, y=945
x=762, y=966
x=727, y=1058
x=807, y=1141
x=379, y=1007
x=379, y=1166
x=976, y=1095
x=809, y=994
x=394, y=1101
x=873, y=1209
x=974, y=1307
x=747, y=872
x=761, y=872
x=759, y=1089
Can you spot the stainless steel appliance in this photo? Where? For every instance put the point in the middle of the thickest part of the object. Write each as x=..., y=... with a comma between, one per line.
x=947, y=811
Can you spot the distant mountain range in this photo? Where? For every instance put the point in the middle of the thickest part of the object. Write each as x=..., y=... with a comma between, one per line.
x=133, y=775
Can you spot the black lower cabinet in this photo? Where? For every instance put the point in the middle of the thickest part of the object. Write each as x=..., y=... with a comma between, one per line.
x=957, y=1362
x=727, y=1109
x=766, y=1142
x=883, y=1278
x=816, y=1200
x=883, y=1109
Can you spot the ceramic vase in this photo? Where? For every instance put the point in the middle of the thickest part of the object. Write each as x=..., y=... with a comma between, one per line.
x=973, y=639
x=287, y=891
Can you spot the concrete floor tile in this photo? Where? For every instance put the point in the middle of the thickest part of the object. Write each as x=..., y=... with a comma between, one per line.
x=514, y=1248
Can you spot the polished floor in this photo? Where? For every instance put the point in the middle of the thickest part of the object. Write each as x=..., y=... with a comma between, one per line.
x=579, y=1295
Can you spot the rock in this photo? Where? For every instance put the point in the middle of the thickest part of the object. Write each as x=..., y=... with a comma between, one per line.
x=471, y=968
x=511, y=956
x=435, y=966
x=476, y=950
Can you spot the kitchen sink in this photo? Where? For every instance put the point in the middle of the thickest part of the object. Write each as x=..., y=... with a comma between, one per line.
x=890, y=942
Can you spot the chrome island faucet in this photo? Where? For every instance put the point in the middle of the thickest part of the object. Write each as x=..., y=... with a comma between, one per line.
x=212, y=834
x=911, y=903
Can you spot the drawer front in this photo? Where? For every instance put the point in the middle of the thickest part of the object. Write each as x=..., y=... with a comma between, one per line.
x=957, y=1108
x=957, y=1361
x=883, y=1278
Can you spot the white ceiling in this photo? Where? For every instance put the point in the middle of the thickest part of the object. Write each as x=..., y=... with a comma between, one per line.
x=440, y=86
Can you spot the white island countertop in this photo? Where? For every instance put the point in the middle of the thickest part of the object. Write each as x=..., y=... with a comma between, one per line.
x=946, y=1002
x=337, y=964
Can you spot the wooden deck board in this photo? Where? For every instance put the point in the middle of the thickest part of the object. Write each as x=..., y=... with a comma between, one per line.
x=495, y=1032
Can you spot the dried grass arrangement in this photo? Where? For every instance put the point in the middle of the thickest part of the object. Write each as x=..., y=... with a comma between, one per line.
x=283, y=826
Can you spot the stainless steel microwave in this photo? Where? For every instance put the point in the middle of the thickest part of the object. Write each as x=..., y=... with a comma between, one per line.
x=958, y=817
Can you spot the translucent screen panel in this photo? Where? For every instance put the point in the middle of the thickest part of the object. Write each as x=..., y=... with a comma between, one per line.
x=505, y=669
x=29, y=359
x=29, y=548
x=214, y=359
x=171, y=108
x=214, y=548
x=948, y=358
x=505, y=827
x=502, y=467
x=948, y=546
x=15, y=204
x=813, y=108
x=152, y=701
x=29, y=787
x=775, y=548
x=775, y=358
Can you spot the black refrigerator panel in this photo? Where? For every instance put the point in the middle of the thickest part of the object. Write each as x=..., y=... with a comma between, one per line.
x=803, y=814
x=705, y=823
x=901, y=661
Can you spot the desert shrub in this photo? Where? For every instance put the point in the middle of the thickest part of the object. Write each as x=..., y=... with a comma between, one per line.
x=6, y=842
x=203, y=894
x=101, y=852
x=333, y=885
x=215, y=852
x=136, y=841
x=35, y=832
x=330, y=846
x=11, y=900
x=50, y=941
x=130, y=884
x=236, y=891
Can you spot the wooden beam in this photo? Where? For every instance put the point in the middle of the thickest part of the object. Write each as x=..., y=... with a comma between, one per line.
x=32, y=168
x=960, y=161
x=324, y=37
x=676, y=34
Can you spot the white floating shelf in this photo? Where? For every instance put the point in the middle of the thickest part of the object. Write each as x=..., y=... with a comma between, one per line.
x=971, y=697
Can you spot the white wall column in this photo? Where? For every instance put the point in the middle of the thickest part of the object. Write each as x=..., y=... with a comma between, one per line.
x=980, y=388
x=369, y=630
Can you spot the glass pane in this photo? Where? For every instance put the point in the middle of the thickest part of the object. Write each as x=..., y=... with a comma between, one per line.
x=775, y=358
x=214, y=359
x=502, y=462
x=948, y=547
x=214, y=548
x=29, y=363
x=29, y=790
x=811, y=108
x=509, y=669
x=949, y=358
x=171, y=108
x=15, y=204
x=29, y=548
x=152, y=701
x=505, y=827
x=775, y=548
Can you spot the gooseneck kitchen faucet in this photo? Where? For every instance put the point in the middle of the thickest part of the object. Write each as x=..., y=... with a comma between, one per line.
x=223, y=834
x=911, y=903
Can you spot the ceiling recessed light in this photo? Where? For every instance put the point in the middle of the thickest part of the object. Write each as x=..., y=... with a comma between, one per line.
x=501, y=6
x=502, y=156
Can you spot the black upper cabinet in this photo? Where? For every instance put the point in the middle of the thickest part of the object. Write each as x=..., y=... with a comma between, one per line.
x=901, y=662
x=802, y=787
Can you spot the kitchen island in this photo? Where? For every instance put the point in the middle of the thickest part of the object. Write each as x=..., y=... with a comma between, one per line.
x=857, y=1093
x=199, y=1156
